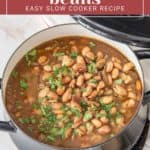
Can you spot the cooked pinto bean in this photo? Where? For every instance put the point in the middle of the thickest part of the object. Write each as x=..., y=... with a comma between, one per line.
x=89, y=127
x=104, y=120
x=117, y=65
x=68, y=133
x=87, y=91
x=119, y=90
x=115, y=73
x=131, y=95
x=104, y=130
x=58, y=112
x=109, y=66
x=93, y=94
x=107, y=99
x=109, y=78
x=43, y=92
x=100, y=63
x=79, y=67
x=127, y=67
x=52, y=95
x=80, y=60
x=66, y=79
x=96, y=123
x=131, y=103
x=45, y=76
x=138, y=85
x=67, y=61
x=80, y=80
x=43, y=60
x=77, y=122
x=90, y=55
x=57, y=105
x=60, y=90
x=74, y=49
x=47, y=68
x=87, y=76
x=72, y=83
x=85, y=50
x=101, y=85
x=76, y=105
x=67, y=95
x=100, y=55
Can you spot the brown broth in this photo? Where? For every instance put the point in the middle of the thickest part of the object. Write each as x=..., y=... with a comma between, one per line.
x=20, y=101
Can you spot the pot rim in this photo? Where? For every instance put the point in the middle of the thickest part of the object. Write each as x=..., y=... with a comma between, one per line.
x=58, y=147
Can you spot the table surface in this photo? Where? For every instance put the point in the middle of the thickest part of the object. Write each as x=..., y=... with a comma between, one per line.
x=13, y=31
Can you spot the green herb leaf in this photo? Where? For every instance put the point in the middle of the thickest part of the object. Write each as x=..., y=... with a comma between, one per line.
x=76, y=112
x=63, y=130
x=47, y=112
x=23, y=84
x=107, y=107
x=84, y=104
x=59, y=54
x=92, y=67
x=118, y=115
x=18, y=104
x=31, y=56
x=51, y=138
x=73, y=55
x=92, y=44
x=119, y=81
x=93, y=81
x=27, y=120
x=35, y=106
x=100, y=115
x=14, y=74
x=83, y=89
x=54, y=83
x=87, y=116
x=62, y=70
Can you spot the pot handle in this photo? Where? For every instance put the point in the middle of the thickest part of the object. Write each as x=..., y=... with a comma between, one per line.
x=6, y=125
x=144, y=54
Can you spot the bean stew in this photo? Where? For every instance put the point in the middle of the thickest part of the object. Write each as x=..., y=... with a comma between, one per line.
x=73, y=92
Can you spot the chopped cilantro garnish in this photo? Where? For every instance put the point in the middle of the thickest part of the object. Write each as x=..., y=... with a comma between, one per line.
x=93, y=81
x=30, y=57
x=74, y=55
x=100, y=115
x=84, y=104
x=54, y=83
x=92, y=67
x=46, y=112
x=92, y=44
x=27, y=120
x=58, y=54
x=14, y=74
x=107, y=107
x=119, y=81
x=76, y=112
x=64, y=129
x=62, y=70
x=87, y=116
x=18, y=104
x=118, y=115
x=35, y=106
x=23, y=84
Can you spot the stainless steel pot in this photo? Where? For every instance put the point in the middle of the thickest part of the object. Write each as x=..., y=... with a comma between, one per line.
x=130, y=134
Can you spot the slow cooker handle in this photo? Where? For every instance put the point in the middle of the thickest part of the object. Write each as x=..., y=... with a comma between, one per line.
x=6, y=125
x=144, y=54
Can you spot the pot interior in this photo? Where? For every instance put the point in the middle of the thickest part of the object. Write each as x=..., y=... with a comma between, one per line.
x=61, y=31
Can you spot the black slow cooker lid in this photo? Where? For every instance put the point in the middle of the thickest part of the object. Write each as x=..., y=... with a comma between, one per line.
x=132, y=30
